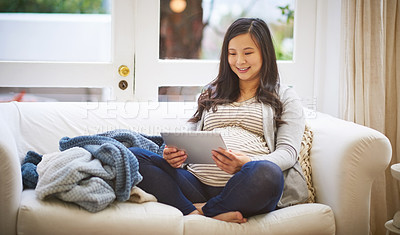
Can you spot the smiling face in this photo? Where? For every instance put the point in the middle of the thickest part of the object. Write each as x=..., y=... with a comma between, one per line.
x=245, y=58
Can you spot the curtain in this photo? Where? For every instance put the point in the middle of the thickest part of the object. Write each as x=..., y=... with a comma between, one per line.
x=370, y=87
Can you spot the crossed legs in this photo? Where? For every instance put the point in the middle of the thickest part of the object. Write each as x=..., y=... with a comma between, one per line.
x=255, y=189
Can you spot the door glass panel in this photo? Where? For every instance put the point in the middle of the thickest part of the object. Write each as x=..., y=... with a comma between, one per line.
x=194, y=29
x=179, y=93
x=53, y=94
x=55, y=30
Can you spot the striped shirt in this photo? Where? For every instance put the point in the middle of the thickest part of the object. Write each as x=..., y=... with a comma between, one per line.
x=241, y=127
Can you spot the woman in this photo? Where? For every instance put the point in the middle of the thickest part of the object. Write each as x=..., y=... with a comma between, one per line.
x=262, y=124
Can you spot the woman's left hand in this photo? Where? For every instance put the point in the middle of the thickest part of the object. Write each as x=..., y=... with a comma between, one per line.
x=229, y=161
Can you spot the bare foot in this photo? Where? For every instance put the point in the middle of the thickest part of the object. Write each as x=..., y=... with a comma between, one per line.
x=199, y=207
x=195, y=212
x=232, y=216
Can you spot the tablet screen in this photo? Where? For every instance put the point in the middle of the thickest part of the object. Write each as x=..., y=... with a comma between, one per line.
x=196, y=144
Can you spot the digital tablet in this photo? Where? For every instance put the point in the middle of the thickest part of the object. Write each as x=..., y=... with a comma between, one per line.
x=196, y=144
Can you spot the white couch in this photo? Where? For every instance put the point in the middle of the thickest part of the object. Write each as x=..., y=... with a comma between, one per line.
x=345, y=159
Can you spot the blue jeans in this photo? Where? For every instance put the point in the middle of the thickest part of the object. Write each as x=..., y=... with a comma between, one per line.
x=255, y=189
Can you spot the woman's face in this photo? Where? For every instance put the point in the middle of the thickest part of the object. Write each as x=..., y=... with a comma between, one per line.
x=244, y=57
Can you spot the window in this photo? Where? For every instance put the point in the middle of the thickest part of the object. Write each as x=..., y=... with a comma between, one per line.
x=160, y=64
x=196, y=30
x=52, y=46
x=56, y=31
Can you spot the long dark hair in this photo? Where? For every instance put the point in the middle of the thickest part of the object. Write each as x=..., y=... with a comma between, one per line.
x=225, y=87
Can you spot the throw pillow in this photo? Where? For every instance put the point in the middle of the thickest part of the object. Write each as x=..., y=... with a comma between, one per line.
x=304, y=160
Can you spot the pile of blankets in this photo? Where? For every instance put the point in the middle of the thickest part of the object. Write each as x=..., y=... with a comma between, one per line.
x=91, y=171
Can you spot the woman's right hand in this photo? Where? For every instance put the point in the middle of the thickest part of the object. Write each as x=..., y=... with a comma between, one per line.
x=174, y=156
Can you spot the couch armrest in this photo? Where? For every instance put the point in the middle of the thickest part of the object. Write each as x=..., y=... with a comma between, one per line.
x=10, y=170
x=345, y=160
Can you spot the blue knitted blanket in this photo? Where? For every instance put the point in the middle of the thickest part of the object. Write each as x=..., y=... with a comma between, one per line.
x=75, y=176
x=111, y=149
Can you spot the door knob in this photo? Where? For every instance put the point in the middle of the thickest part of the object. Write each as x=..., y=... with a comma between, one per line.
x=123, y=70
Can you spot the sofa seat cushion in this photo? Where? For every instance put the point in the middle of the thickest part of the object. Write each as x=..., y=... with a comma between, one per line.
x=302, y=219
x=53, y=216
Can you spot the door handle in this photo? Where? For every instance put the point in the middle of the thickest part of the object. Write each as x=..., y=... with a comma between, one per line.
x=123, y=70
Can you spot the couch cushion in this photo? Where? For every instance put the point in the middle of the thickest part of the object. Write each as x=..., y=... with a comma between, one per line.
x=53, y=216
x=301, y=219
